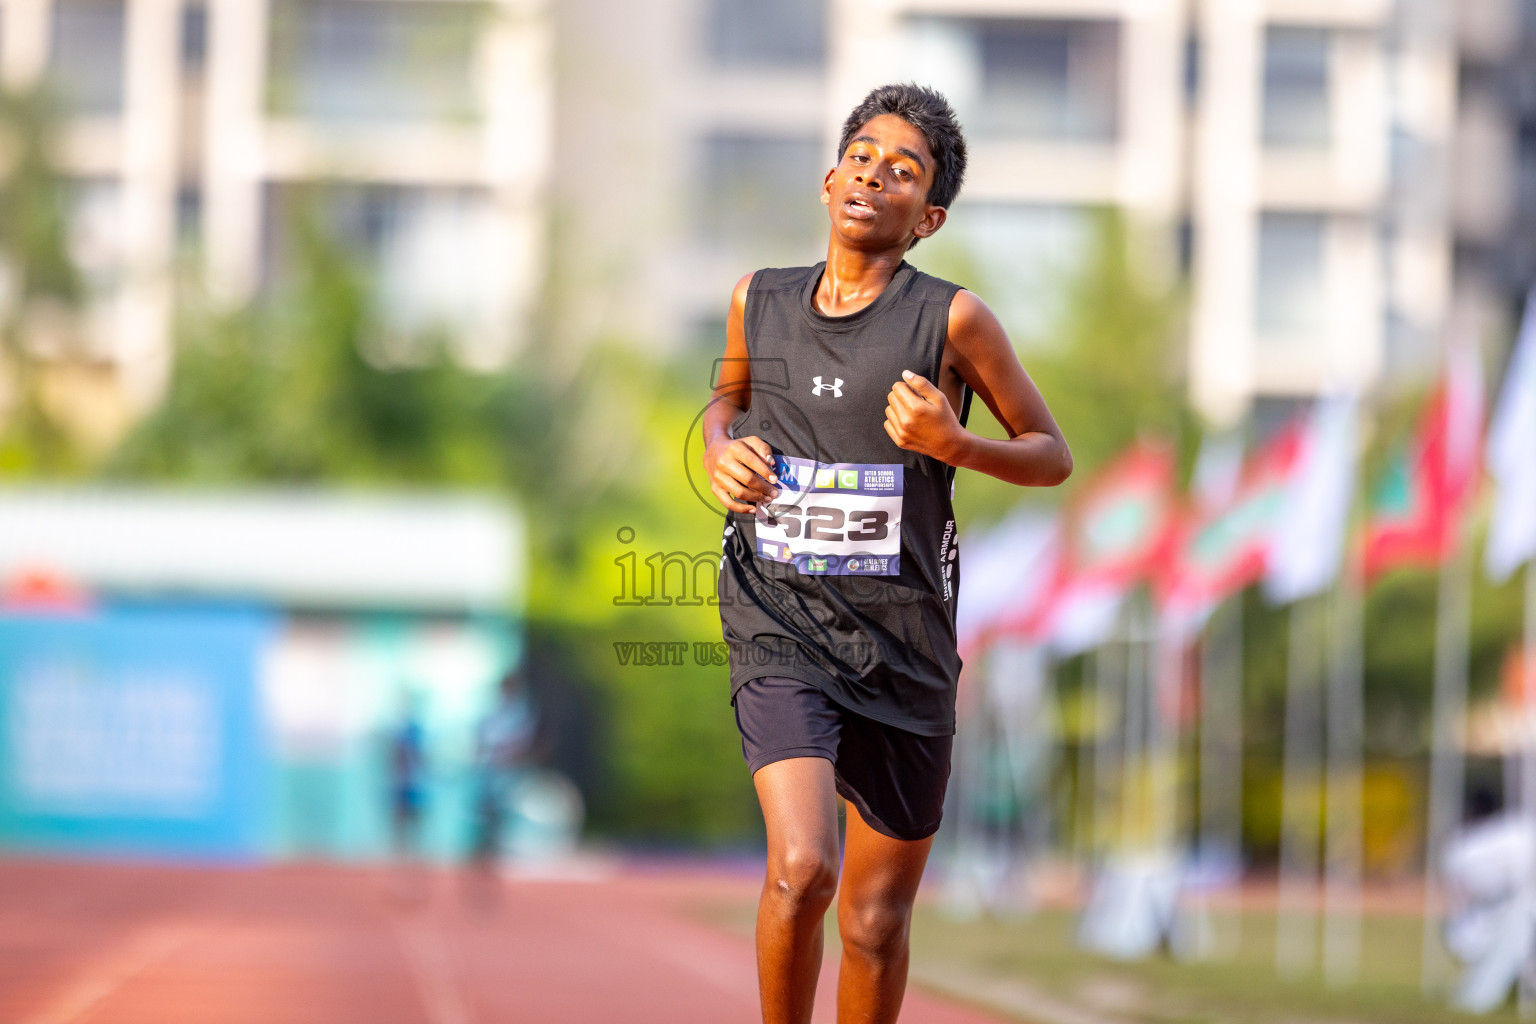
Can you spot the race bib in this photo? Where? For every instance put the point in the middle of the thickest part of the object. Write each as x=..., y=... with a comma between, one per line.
x=842, y=519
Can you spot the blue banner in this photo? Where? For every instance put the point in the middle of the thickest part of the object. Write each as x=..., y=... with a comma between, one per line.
x=134, y=731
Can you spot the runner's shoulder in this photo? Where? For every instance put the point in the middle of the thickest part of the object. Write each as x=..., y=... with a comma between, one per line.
x=768, y=279
x=778, y=279
x=970, y=316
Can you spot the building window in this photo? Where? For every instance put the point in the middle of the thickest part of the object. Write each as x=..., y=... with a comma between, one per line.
x=189, y=214
x=194, y=36
x=363, y=61
x=784, y=33
x=1290, y=298
x=1048, y=79
x=759, y=192
x=85, y=61
x=1296, y=111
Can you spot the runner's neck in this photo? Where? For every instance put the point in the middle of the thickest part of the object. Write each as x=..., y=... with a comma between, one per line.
x=852, y=280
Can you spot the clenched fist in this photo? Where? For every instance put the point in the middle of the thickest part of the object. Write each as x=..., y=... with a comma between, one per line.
x=740, y=472
x=919, y=419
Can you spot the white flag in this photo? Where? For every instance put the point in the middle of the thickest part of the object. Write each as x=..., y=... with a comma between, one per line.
x=1308, y=545
x=1512, y=457
x=1003, y=569
x=1084, y=617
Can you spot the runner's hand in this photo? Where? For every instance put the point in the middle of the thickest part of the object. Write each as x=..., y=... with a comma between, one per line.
x=741, y=472
x=919, y=419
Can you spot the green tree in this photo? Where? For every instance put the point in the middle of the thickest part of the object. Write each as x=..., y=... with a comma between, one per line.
x=1108, y=366
x=42, y=289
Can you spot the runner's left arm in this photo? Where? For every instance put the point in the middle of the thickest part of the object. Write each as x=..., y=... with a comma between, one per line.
x=918, y=416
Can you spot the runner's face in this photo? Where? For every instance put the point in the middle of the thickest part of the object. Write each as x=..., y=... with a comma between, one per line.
x=878, y=194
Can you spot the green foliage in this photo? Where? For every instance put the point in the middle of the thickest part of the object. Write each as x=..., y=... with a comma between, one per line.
x=1112, y=373
x=41, y=283
x=33, y=235
x=281, y=392
x=1109, y=368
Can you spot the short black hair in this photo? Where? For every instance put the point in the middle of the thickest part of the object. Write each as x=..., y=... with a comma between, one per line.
x=930, y=113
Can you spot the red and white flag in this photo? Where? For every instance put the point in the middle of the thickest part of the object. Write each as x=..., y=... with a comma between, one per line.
x=1113, y=535
x=1221, y=550
x=1418, y=505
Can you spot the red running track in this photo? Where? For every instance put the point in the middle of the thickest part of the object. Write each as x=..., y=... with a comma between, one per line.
x=114, y=944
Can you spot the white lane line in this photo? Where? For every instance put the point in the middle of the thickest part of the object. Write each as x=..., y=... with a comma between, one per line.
x=432, y=970
x=132, y=957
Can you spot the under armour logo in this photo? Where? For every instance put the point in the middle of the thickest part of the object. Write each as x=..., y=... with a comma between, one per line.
x=836, y=387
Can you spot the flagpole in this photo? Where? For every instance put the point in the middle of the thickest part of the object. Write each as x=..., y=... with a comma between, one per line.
x=1019, y=749
x=1134, y=745
x=1346, y=717
x=1221, y=747
x=1091, y=726
x=1528, y=734
x=961, y=884
x=1127, y=745
x=1110, y=751
x=1452, y=638
x=1295, y=918
x=1166, y=693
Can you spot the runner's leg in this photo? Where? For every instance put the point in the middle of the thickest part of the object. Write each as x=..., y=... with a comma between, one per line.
x=874, y=918
x=799, y=803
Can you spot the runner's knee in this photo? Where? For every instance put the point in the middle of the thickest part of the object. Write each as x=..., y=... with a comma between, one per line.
x=875, y=929
x=804, y=879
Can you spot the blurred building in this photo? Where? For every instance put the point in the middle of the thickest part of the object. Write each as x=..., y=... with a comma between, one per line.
x=690, y=138
x=1329, y=178
x=195, y=129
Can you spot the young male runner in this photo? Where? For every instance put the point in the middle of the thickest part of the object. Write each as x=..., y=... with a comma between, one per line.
x=833, y=439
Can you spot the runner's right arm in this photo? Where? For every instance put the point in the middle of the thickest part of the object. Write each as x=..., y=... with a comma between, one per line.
x=738, y=469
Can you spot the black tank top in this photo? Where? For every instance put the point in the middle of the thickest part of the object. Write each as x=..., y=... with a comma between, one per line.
x=849, y=579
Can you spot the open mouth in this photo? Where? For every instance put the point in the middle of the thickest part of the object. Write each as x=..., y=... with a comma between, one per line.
x=857, y=208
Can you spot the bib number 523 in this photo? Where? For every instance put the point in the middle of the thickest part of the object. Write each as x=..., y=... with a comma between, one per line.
x=825, y=522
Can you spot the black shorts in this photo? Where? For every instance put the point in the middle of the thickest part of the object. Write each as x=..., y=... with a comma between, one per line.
x=895, y=778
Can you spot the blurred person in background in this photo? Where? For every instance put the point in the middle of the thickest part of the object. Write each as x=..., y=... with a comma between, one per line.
x=844, y=660
x=503, y=744
x=408, y=778
x=408, y=791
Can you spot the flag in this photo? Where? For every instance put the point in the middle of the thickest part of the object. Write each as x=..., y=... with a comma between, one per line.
x=1112, y=535
x=1220, y=551
x=1512, y=457
x=1419, y=501
x=1004, y=568
x=1065, y=613
x=1116, y=529
x=1308, y=544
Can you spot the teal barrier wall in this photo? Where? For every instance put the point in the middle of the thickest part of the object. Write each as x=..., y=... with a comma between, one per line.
x=237, y=733
x=134, y=732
